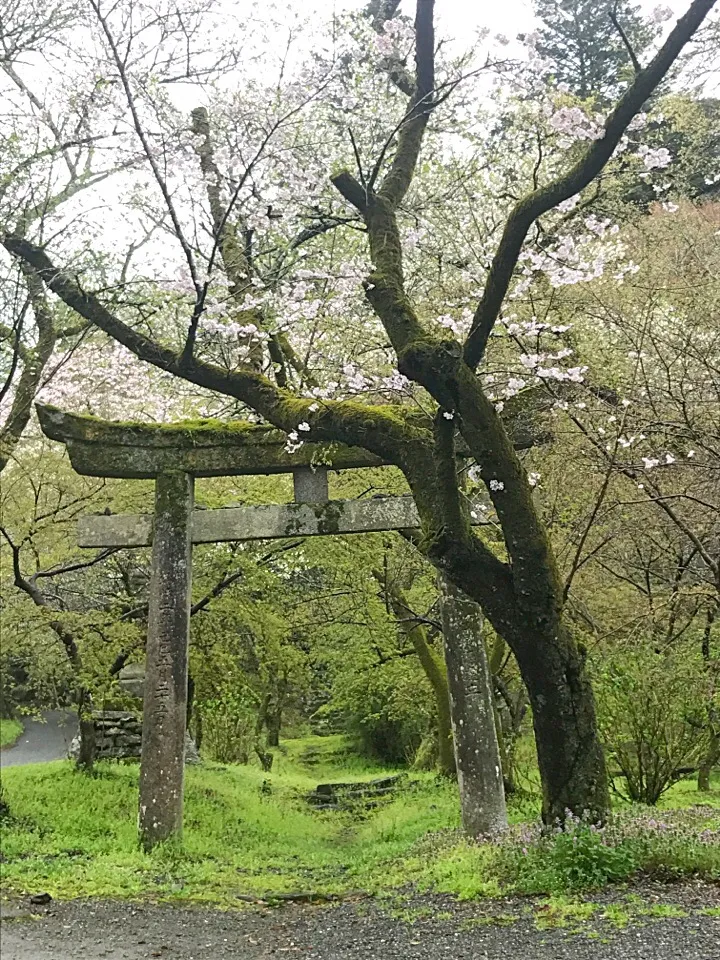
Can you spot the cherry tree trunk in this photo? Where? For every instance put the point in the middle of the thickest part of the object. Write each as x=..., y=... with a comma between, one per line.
x=570, y=756
x=477, y=755
x=162, y=766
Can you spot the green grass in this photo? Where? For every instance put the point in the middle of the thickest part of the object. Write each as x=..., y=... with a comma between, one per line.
x=76, y=836
x=10, y=730
x=685, y=794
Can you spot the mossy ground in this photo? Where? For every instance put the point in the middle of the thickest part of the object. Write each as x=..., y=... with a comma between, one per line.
x=247, y=833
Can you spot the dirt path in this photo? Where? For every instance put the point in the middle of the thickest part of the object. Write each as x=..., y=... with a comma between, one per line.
x=42, y=740
x=424, y=928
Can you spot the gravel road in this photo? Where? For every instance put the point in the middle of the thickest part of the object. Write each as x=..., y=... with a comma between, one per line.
x=440, y=930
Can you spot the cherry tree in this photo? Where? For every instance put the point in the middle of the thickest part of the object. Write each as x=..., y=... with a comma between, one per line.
x=266, y=206
x=650, y=436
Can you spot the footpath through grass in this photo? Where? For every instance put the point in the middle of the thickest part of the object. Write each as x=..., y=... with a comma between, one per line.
x=248, y=833
x=10, y=730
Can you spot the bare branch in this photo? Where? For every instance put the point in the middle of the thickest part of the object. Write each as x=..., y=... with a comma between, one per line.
x=72, y=567
x=623, y=36
x=142, y=136
x=33, y=366
x=40, y=600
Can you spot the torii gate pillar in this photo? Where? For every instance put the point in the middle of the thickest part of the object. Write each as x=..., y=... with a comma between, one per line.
x=162, y=767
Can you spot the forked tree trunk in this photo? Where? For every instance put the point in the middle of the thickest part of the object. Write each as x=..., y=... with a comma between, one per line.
x=433, y=668
x=477, y=755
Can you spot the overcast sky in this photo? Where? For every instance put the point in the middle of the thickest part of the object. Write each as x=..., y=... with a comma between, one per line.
x=501, y=16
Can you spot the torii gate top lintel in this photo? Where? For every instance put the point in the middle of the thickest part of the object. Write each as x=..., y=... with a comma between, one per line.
x=103, y=448
x=202, y=448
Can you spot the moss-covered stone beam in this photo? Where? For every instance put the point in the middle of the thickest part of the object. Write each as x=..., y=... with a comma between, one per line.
x=213, y=448
x=269, y=522
x=203, y=448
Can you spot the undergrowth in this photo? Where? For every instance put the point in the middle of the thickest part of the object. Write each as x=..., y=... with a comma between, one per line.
x=253, y=834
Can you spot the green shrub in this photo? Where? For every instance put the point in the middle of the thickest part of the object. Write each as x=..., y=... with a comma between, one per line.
x=576, y=858
x=388, y=708
x=651, y=716
x=10, y=730
x=229, y=729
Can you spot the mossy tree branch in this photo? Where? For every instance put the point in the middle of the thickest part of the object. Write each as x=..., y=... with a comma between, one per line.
x=431, y=662
x=402, y=169
x=382, y=430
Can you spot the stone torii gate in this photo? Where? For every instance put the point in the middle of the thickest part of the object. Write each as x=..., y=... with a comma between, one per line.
x=173, y=456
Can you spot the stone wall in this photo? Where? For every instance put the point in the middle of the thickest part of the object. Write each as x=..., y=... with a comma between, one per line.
x=118, y=736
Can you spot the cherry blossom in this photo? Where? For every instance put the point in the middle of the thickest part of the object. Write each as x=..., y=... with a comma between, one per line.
x=660, y=14
x=654, y=158
x=575, y=124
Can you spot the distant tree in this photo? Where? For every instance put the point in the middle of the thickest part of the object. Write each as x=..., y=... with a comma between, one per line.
x=591, y=45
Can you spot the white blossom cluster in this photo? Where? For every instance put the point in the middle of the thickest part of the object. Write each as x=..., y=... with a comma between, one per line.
x=396, y=38
x=459, y=326
x=573, y=260
x=660, y=14
x=654, y=158
x=230, y=330
x=574, y=124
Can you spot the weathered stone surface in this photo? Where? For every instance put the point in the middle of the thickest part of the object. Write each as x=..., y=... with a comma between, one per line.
x=215, y=448
x=166, y=663
x=118, y=736
x=310, y=486
x=122, y=740
x=261, y=523
x=126, y=739
x=477, y=755
x=192, y=754
x=203, y=448
x=125, y=530
x=132, y=679
x=109, y=717
x=333, y=795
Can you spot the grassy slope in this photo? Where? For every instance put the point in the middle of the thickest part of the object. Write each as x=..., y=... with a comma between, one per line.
x=76, y=836
x=10, y=730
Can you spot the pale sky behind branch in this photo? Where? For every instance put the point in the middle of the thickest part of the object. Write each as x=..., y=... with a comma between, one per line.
x=457, y=23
